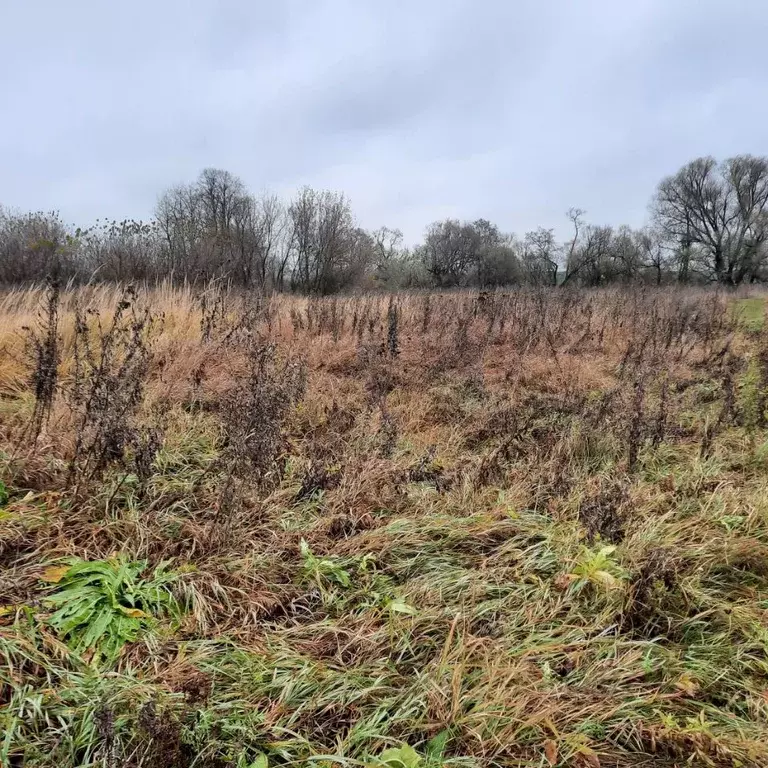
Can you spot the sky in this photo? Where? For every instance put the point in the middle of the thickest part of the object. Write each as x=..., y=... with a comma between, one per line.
x=510, y=110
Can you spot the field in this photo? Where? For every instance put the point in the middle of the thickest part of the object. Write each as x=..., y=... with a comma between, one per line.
x=524, y=528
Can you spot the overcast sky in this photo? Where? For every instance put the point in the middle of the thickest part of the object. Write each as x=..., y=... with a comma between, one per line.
x=513, y=110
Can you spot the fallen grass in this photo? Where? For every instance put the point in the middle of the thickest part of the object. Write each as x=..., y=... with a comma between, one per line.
x=534, y=531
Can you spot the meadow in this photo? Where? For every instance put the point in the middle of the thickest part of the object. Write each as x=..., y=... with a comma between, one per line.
x=503, y=528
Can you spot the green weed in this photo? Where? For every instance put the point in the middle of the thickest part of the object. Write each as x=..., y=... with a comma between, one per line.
x=102, y=605
x=325, y=572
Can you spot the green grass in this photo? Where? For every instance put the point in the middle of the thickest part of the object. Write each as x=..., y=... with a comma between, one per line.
x=751, y=313
x=510, y=635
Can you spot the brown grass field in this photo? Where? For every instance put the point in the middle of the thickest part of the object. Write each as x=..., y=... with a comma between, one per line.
x=524, y=528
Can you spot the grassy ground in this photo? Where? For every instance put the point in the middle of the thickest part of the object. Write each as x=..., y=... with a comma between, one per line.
x=751, y=312
x=522, y=529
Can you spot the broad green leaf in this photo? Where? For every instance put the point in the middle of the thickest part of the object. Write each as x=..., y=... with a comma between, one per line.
x=398, y=606
x=72, y=595
x=97, y=627
x=401, y=757
x=609, y=550
x=67, y=622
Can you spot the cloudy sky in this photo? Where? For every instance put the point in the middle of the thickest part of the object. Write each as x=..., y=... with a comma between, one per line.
x=513, y=110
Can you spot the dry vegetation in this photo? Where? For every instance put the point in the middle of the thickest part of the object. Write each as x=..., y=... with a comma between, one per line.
x=510, y=529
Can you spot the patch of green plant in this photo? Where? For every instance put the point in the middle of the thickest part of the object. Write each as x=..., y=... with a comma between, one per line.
x=378, y=590
x=230, y=731
x=323, y=571
x=405, y=756
x=750, y=396
x=751, y=313
x=103, y=604
x=599, y=568
x=4, y=495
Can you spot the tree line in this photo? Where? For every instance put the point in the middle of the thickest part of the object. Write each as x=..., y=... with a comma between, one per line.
x=708, y=223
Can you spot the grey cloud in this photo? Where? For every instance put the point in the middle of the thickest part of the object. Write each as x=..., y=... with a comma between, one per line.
x=511, y=111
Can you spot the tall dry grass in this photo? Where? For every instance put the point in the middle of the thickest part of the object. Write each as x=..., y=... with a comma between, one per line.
x=507, y=528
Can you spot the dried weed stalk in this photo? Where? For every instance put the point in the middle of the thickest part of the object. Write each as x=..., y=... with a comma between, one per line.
x=43, y=349
x=106, y=389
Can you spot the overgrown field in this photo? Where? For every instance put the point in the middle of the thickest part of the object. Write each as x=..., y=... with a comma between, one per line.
x=502, y=529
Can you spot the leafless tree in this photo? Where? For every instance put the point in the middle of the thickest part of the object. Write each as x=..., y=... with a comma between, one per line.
x=449, y=250
x=573, y=264
x=323, y=237
x=208, y=228
x=540, y=257
x=496, y=259
x=120, y=250
x=181, y=223
x=222, y=196
x=254, y=239
x=477, y=252
x=270, y=229
x=625, y=261
x=386, y=245
x=718, y=215
x=595, y=256
x=710, y=222
x=33, y=246
x=653, y=252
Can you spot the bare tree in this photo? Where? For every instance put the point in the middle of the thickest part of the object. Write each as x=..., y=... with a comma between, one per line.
x=181, y=222
x=222, y=195
x=717, y=212
x=710, y=222
x=254, y=239
x=625, y=261
x=120, y=250
x=323, y=237
x=572, y=263
x=386, y=245
x=496, y=259
x=449, y=251
x=208, y=228
x=539, y=257
x=653, y=252
x=594, y=257
x=270, y=230
x=33, y=246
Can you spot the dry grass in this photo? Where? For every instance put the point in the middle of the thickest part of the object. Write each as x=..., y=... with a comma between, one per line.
x=512, y=529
